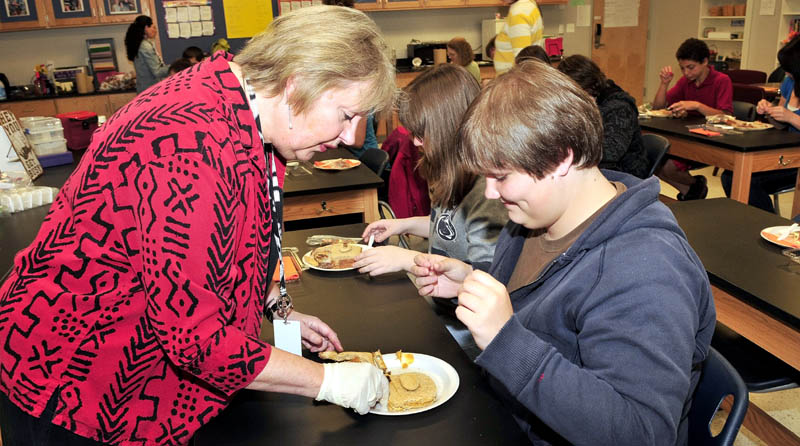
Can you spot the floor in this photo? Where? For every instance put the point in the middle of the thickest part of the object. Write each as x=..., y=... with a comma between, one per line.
x=784, y=406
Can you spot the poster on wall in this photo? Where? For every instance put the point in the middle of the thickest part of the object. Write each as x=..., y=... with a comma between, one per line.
x=68, y=6
x=122, y=7
x=188, y=18
x=17, y=8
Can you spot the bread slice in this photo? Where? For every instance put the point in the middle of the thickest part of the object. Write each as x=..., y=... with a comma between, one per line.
x=411, y=390
x=336, y=256
x=348, y=356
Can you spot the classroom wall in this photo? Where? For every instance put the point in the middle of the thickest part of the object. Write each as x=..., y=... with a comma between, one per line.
x=763, y=40
x=21, y=51
x=670, y=23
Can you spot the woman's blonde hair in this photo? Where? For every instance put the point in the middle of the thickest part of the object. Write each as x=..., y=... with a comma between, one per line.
x=321, y=48
x=463, y=49
x=432, y=108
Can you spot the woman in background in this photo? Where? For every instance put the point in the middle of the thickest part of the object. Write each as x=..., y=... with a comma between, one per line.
x=623, y=149
x=460, y=52
x=150, y=69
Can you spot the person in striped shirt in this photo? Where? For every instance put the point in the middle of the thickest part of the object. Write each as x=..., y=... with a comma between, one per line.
x=523, y=27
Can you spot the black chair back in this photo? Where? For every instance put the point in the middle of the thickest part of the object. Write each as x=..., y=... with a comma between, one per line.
x=777, y=75
x=744, y=111
x=375, y=159
x=656, y=147
x=718, y=380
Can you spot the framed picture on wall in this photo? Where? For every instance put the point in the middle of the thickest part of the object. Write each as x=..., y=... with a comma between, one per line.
x=72, y=6
x=17, y=8
x=114, y=7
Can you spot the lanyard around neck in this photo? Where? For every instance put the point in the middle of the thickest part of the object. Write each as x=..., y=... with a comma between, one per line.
x=283, y=306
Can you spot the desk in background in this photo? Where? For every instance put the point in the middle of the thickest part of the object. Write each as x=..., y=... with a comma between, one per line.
x=367, y=314
x=743, y=154
x=756, y=288
x=313, y=193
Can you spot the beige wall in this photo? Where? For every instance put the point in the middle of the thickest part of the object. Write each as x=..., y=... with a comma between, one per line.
x=670, y=23
x=763, y=40
x=21, y=51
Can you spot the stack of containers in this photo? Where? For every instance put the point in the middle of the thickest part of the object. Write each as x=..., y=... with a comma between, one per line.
x=46, y=136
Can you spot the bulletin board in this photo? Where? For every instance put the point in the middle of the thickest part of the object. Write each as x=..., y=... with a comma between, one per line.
x=172, y=49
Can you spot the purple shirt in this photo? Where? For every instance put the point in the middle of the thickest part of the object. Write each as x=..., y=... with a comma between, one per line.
x=716, y=91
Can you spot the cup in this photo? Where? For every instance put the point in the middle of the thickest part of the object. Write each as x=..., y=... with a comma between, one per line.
x=715, y=11
x=439, y=56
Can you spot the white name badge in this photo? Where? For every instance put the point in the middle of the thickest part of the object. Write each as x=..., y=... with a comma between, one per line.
x=287, y=336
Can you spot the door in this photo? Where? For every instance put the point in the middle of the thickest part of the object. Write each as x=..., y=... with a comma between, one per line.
x=620, y=51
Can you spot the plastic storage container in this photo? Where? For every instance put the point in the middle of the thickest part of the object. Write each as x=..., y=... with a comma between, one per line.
x=78, y=128
x=41, y=130
x=50, y=147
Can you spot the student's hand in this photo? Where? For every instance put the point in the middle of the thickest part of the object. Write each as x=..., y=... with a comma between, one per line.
x=385, y=259
x=763, y=107
x=780, y=114
x=666, y=75
x=316, y=335
x=439, y=276
x=383, y=229
x=483, y=306
x=681, y=108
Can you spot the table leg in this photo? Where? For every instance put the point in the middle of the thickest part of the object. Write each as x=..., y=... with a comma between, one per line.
x=370, y=197
x=742, y=170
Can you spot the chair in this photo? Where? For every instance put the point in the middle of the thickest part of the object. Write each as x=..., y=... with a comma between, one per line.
x=744, y=111
x=777, y=75
x=656, y=147
x=718, y=380
x=760, y=370
x=775, y=200
x=747, y=93
x=747, y=76
x=375, y=159
x=386, y=212
x=719, y=65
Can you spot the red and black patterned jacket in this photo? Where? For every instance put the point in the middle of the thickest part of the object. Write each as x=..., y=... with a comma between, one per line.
x=142, y=296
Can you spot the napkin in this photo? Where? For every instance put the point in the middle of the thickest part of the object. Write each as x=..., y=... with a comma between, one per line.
x=290, y=270
x=705, y=132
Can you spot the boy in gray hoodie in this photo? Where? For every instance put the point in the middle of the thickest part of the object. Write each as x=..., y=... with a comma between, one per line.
x=596, y=314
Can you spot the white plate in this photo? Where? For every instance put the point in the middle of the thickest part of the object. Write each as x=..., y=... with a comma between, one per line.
x=771, y=235
x=308, y=256
x=442, y=373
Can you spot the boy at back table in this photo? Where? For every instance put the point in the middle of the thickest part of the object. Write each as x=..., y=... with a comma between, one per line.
x=595, y=314
x=700, y=91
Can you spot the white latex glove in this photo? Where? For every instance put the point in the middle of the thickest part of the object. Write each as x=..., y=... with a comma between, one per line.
x=357, y=385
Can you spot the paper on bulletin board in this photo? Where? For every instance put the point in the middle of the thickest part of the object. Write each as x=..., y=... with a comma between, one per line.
x=767, y=7
x=621, y=13
x=246, y=18
x=584, y=15
x=171, y=15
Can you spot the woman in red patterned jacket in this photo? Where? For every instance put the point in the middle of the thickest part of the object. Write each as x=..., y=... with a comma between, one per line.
x=134, y=316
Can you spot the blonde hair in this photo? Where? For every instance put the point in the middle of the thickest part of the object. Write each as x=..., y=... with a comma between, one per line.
x=321, y=48
x=530, y=119
x=432, y=108
x=463, y=49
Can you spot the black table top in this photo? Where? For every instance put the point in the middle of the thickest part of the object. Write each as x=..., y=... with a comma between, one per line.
x=367, y=314
x=746, y=142
x=17, y=231
x=305, y=179
x=726, y=236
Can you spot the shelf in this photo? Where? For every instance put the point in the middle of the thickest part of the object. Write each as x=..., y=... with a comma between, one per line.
x=791, y=13
x=721, y=17
x=721, y=40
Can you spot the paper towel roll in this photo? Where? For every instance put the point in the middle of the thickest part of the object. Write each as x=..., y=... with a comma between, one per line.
x=84, y=83
x=439, y=56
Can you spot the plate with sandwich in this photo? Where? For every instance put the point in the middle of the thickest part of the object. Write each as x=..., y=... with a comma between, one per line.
x=337, y=164
x=786, y=236
x=417, y=382
x=338, y=256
